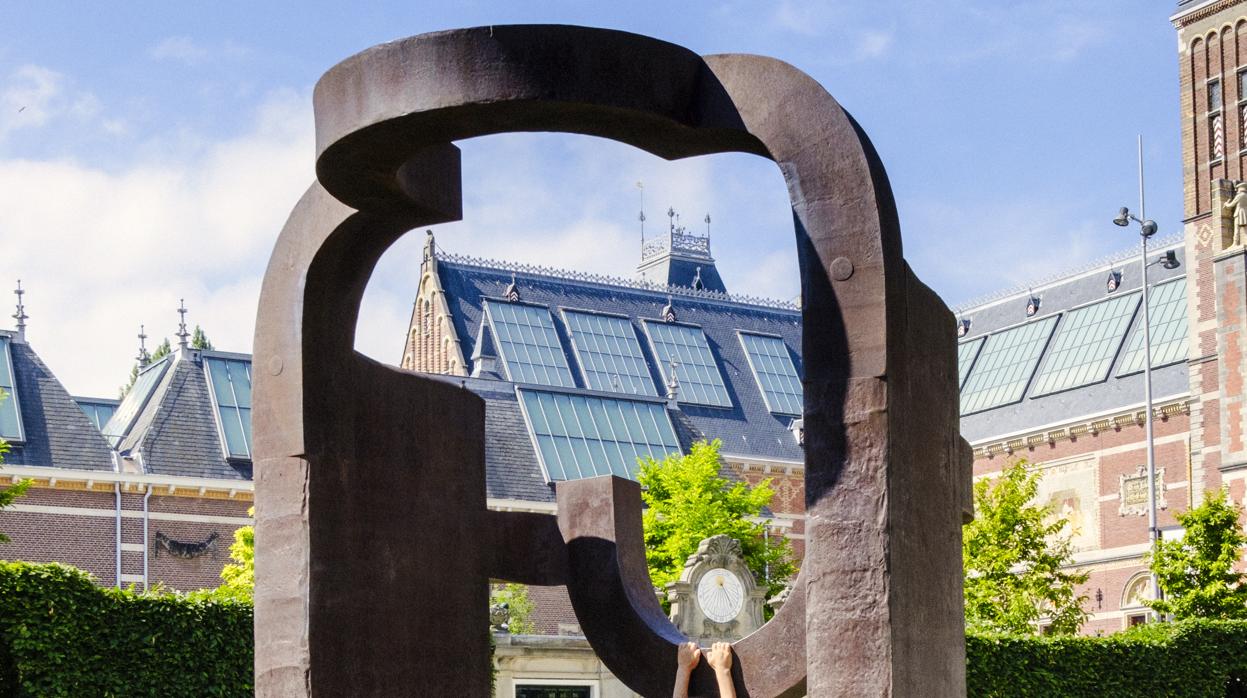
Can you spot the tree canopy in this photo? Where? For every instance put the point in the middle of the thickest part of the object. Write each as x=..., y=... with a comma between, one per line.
x=1196, y=573
x=1017, y=557
x=688, y=500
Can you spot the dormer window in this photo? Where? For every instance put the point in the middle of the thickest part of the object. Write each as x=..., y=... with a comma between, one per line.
x=10, y=415
x=230, y=382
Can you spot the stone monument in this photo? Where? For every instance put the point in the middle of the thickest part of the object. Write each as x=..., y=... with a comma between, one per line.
x=716, y=598
x=366, y=475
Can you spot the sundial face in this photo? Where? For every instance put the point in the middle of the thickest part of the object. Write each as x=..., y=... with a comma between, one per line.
x=720, y=594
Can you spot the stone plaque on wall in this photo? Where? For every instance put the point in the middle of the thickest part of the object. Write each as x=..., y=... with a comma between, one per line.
x=1132, y=492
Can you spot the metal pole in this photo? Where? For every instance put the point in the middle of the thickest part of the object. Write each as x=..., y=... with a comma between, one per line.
x=1152, y=532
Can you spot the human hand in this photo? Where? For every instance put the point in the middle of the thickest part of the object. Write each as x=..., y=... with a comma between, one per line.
x=720, y=657
x=687, y=656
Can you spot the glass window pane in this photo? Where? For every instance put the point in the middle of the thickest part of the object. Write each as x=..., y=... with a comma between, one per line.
x=1085, y=345
x=595, y=436
x=1005, y=366
x=698, y=374
x=134, y=400
x=1167, y=305
x=775, y=373
x=528, y=344
x=609, y=354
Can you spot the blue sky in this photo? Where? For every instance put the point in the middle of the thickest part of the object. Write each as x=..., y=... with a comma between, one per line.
x=151, y=151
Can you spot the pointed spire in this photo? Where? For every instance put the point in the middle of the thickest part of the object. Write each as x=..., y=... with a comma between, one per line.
x=182, y=334
x=20, y=315
x=144, y=358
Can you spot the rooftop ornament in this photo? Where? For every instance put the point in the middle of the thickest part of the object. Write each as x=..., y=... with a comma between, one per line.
x=409, y=450
x=20, y=315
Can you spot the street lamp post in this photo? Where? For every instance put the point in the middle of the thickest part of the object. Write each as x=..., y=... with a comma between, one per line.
x=1147, y=228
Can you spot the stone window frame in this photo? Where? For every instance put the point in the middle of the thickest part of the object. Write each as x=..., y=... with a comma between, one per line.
x=594, y=685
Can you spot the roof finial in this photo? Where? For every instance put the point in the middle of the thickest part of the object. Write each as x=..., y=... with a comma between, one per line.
x=671, y=219
x=673, y=385
x=707, y=225
x=513, y=292
x=182, y=334
x=144, y=357
x=641, y=217
x=698, y=285
x=430, y=246
x=20, y=315
x=668, y=311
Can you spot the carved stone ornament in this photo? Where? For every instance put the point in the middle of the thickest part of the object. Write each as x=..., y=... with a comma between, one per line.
x=186, y=551
x=1132, y=492
x=360, y=465
x=716, y=598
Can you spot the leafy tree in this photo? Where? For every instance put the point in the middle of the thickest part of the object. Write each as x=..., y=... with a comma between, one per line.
x=239, y=576
x=515, y=596
x=1016, y=556
x=688, y=500
x=1196, y=573
x=17, y=489
x=200, y=341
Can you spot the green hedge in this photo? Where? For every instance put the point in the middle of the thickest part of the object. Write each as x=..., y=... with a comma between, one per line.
x=1190, y=658
x=62, y=635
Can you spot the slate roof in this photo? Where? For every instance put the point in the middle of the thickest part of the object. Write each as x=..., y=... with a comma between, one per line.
x=747, y=428
x=58, y=434
x=176, y=433
x=1058, y=296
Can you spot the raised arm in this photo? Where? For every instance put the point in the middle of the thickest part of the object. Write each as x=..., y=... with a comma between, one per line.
x=686, y=661
x=720, y=659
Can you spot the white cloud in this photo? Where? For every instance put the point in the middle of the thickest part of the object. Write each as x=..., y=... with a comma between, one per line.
x=185, y=50
x=29, y=98
x=101, y=251
x=182, y=49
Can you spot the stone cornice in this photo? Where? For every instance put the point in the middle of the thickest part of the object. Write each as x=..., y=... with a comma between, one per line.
x=1071, y=432
x=1201, y=12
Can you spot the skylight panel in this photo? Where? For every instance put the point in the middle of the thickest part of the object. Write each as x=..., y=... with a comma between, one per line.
x=609, y=353
x=966, y=351
x=1167, y=305
x=775, y=373
x=1086, y=344
x=230, y=381
x=132, y=404
x=10, y=415
x=1005, y=365
x=528, y=345
x=698, y=374
x=97, y=412
x=580, y=436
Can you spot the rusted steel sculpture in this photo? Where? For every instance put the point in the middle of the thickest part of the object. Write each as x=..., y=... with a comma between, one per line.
x=374, y=542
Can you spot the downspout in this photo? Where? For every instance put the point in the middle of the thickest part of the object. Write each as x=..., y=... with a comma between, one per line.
x=117, y=494
x=146, y=544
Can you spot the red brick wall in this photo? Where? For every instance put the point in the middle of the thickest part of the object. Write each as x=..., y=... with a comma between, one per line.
x=86, y=536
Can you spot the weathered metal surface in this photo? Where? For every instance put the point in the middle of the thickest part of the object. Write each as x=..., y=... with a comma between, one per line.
x=374, y=546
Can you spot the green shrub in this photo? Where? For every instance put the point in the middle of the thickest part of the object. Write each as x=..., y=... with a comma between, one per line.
x=1189, y=658
x=62, y=635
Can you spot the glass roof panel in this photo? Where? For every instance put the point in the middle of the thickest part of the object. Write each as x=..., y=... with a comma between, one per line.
x=1086, y=344
x=98, y=412
x=698, y=374
x=135, y=398
x=595, y=435
x=10, y=415
x=1005, y=365
x=528, y=345
x=775, y=373
x=1167, y=306
x=966, y=351
x=609, y=353
x=231, y=391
